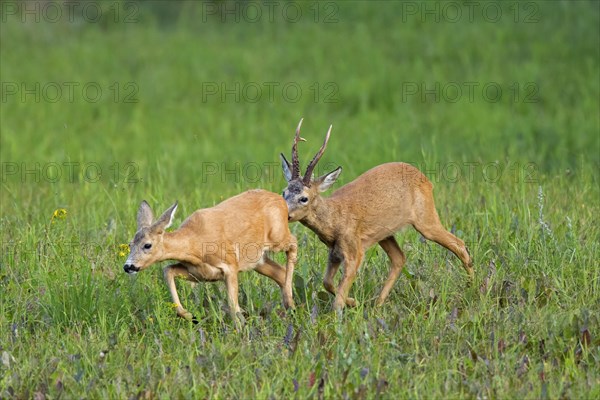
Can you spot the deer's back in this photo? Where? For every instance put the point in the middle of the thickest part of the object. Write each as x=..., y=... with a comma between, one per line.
x=384, y=198
x=249, y=217
x=384, y=182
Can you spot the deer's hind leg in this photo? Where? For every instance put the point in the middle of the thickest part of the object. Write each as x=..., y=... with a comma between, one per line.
x=397, y=260
x=429, y=225
x=273, y=270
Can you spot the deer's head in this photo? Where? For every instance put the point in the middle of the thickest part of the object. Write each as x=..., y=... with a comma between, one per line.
x=302, y=190
x=147, y=246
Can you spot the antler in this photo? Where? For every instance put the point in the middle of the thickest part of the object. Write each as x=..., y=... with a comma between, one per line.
x=316, y=159
x=295, y=161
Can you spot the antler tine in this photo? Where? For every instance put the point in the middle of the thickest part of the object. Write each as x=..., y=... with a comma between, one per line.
x=316, y=159
x=295, y=161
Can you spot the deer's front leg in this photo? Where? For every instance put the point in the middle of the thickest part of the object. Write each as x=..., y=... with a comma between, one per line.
x=351, y=264
x=333, y=264
x=170, y=272
x=292, y=256
x=231, y=282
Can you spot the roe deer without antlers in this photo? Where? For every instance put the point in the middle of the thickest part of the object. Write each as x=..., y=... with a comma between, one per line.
x=366, y=211
x=214, y=244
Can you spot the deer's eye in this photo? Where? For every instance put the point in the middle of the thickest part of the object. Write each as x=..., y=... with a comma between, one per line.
x=303, y=199
x=147, y=246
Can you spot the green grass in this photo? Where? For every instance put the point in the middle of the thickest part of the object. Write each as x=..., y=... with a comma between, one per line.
x=517, y=180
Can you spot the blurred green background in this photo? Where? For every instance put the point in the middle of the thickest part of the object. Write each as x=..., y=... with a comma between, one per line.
x=104, y=104
x=172, y=85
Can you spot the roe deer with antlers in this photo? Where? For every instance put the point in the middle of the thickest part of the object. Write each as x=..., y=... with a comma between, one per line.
x=214, y=244
x=366, y=211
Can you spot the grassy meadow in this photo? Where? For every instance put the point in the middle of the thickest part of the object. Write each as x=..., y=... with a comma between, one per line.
x=105, y=104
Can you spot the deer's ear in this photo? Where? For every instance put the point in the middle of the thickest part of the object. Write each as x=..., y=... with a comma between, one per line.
x=165, y=220
x=324, y=182
x=144, y=215
x=287, y=168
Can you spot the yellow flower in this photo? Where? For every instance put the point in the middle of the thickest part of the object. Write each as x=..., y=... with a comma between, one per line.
x=174, y=305
x=59, y=213
x=123, y=249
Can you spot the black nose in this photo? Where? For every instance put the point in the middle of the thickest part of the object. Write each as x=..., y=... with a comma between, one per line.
x=130, y=268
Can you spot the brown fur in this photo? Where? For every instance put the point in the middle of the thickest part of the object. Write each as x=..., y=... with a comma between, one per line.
x=215, y=244
x=366, y=211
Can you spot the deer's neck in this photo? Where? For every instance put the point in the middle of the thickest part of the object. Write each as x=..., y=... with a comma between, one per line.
x=322, y=219
x=178, y=246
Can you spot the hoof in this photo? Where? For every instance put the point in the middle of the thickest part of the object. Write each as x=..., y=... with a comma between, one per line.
x=338, y=307
x=187, y=315
x=350, y=302
x=291, y=312
x=289, y=305
x=240, y=319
